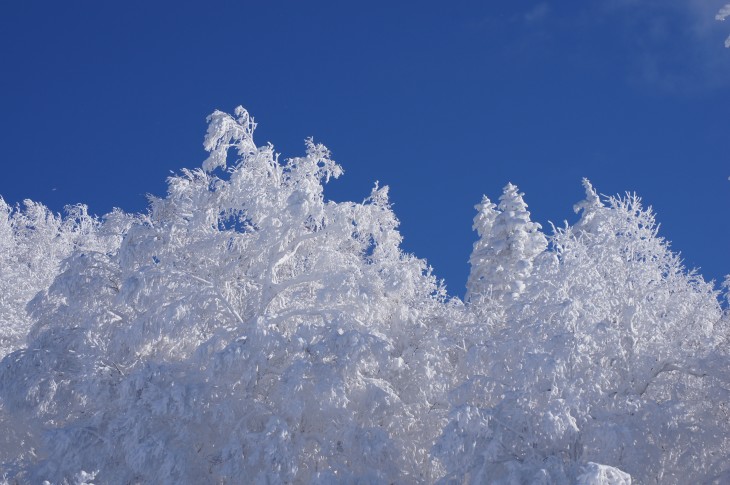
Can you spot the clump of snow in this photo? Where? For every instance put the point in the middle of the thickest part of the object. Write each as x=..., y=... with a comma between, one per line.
x=595, y=474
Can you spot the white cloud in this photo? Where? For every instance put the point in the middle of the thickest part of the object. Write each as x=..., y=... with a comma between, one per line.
x=722, y=15
x=675, y=45
x=704, y=15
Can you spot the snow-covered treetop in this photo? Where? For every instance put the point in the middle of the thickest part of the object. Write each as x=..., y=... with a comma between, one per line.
x=508, y=244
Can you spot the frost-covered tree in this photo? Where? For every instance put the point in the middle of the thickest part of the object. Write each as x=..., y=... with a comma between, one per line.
x=33, y=242
x=617, y=361
x=477, y=286
x=502, y=258
x=244, y=327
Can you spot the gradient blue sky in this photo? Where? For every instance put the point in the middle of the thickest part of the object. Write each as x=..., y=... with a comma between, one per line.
x=443, y=101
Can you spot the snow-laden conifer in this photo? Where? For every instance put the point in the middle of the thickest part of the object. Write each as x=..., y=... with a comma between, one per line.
x=502, y=258
x=478, y=286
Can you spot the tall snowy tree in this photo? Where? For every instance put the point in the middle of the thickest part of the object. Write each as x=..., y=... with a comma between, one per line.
x=503, y=257
x=478, y=285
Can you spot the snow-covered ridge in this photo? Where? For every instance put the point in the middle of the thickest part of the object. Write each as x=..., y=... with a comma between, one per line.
x=245, y=328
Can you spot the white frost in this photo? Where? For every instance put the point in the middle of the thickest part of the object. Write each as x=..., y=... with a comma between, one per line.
x=245, y=326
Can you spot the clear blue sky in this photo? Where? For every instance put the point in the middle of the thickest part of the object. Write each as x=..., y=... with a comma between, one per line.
x=443, y=101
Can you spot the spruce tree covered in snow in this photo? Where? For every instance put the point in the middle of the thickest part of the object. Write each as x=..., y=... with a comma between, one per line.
x=478, y=285
x=502, y=258
x=246, y=328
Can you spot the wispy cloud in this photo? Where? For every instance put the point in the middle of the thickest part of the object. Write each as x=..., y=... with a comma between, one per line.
x=663, y=45
x=538, y=12
x=675, y=45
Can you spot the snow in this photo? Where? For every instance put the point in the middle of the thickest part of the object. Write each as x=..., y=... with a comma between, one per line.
x=596, y=474
x=245, y=326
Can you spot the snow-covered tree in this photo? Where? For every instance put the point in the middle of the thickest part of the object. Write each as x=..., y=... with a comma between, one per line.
x=33, y=242
x=478, y=286
x=617, y=361
x=243, y=327
x=502, y=258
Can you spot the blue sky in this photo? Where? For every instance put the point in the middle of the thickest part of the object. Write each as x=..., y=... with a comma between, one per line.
x=443, y=101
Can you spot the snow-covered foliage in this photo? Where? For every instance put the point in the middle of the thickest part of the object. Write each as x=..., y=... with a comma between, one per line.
x=33, y=242
x=613, y=356
x=246, y=328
